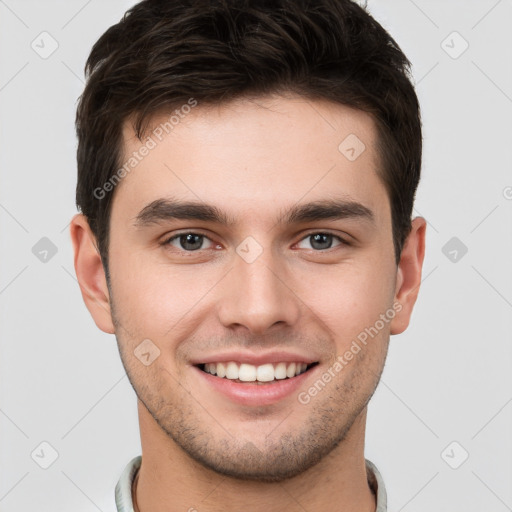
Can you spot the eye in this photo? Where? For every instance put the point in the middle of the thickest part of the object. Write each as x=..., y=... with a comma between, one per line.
x=188, y=242
x=191, y=241
x=322, y=241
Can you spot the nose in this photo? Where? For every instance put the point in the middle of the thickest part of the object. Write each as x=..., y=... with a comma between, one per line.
x=258, y=295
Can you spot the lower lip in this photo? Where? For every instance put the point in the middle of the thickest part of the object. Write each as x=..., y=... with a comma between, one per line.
x=251, y=393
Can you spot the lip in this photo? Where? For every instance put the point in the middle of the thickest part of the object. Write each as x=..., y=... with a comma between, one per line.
x=254, y=359
x=251, y=393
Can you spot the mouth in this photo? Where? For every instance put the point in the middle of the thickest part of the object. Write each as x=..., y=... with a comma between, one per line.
x=254, y=379
x=264, y=374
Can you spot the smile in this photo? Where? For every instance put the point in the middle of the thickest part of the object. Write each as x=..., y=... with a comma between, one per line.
x=264, y=373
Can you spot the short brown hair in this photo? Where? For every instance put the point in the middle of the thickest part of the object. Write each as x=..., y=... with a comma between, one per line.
x=163, y=52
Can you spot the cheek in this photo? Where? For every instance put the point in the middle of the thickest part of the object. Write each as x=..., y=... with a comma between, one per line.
x=156, y=299
x=350, y=299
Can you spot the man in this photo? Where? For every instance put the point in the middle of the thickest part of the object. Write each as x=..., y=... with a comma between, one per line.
x=246, y=176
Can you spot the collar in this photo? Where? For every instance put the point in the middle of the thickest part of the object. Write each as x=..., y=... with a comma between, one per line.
x=124, y=486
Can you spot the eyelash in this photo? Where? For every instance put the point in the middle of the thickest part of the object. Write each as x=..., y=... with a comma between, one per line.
x=177, y=236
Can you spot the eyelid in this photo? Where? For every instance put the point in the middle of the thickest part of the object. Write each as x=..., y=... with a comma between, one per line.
x=327, y=232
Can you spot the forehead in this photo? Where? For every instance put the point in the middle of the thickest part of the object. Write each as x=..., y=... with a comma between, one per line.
x=254, y=153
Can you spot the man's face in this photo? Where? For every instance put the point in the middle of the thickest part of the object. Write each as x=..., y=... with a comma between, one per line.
x=263, y=289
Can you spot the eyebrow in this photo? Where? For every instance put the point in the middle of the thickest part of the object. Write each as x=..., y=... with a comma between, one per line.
x=162, y=210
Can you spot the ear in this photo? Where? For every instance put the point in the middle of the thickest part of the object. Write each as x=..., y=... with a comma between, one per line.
x=408, y=278
x=90, y=273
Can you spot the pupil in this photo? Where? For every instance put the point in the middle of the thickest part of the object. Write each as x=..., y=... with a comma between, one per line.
x=321, y=238
x=186, y=240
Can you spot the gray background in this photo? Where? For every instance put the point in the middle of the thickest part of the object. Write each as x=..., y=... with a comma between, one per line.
x=446, y=389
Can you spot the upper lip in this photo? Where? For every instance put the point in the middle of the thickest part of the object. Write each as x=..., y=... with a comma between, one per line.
x=254, y=358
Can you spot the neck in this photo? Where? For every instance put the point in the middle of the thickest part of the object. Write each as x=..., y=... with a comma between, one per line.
x=169, y=480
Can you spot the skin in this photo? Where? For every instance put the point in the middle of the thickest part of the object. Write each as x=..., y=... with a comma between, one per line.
x=253, y=159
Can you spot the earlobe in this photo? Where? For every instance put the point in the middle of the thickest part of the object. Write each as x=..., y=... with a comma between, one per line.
x=90, y=273
x=409, y=275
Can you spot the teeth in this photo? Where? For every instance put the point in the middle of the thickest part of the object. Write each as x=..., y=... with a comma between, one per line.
x=250, y=373
x=231, y=370
x=265, y=372
x=247, y=373
x=280, y=371
x=221, y=370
